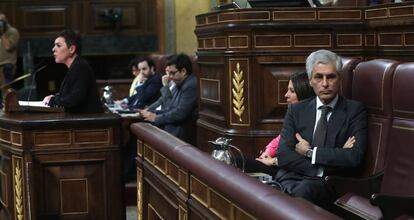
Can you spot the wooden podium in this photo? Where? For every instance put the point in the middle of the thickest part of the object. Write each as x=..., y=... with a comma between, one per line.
x=60, y=166
x=11, y=104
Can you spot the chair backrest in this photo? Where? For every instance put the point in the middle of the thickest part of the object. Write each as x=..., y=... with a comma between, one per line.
x=160, y=62
x=347, y=73
x=398, y=174
x=371, y=85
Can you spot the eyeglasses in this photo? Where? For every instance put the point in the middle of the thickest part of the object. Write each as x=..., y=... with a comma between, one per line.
x=172, y=73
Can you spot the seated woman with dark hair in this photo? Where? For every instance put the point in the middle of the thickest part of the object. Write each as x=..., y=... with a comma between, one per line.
x=298, y=89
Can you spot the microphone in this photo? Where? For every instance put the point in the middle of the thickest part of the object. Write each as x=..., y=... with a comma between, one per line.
x=33, y=81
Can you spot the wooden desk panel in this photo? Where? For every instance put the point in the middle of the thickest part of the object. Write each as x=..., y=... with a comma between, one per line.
x=61, y=166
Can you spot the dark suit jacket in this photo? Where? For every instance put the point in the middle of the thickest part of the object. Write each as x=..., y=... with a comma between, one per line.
x=179, y=117
x=147, y=93
x=349, y=118
x=164, y=100
x=78, y=92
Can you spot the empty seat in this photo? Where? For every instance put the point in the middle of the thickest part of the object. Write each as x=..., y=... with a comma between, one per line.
x=371, y=85
x=396, y=196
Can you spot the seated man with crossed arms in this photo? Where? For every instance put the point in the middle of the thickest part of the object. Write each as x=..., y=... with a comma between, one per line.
x=315, y=131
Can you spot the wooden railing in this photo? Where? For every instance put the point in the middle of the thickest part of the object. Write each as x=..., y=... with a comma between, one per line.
x=178, y=181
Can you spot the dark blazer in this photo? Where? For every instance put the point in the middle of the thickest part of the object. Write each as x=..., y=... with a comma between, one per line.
x=147, y=93
x=164, y=100
x=179, y=117
x=349, y=118
x=78, y=92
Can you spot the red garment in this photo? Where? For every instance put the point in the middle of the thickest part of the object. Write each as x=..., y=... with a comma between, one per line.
x=271, y=148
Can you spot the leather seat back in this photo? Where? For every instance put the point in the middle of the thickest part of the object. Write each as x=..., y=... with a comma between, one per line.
x=347, y=73
x=371, y=85
x=160, y=61
x=398, y=175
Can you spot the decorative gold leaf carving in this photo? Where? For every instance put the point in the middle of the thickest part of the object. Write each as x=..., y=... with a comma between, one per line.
x=139, y=195
x=18, y=191
x=238, y=92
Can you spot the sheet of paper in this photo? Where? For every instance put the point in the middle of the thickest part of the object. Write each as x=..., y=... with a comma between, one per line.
x=33, y=104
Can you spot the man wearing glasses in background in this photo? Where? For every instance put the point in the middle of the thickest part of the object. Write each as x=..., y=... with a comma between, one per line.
x=179, y=115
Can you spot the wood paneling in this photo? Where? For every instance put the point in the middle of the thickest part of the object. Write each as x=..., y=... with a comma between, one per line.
x=57, y=166
x=270, y=49
x=46, y=17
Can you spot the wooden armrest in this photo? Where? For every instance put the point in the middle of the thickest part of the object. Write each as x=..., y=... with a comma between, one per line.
x=362, y=186
x=394, y=206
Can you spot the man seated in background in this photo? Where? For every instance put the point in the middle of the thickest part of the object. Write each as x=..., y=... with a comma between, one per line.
x=179, y=116
x=315, y=131
x=167, y=90
x=139, y=79
x=149, y=90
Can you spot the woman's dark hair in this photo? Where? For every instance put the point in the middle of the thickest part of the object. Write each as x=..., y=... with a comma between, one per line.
x=72, y=38
x=301, y=85
x=133, y=63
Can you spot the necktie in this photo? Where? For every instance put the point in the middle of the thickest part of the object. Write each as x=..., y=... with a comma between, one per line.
x=320, y=132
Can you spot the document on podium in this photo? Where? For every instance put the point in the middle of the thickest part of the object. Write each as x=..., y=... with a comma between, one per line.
x=33, y=104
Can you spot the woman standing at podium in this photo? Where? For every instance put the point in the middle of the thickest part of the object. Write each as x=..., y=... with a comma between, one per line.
x=78, y=92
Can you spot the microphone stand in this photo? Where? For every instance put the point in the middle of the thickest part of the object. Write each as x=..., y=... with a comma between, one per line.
x=33, y=82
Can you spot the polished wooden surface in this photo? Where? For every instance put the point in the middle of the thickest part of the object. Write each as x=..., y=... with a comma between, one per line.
x=60, y=166
x=246, y=56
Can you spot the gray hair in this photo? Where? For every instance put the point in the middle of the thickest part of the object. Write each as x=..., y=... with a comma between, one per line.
x=323, y=57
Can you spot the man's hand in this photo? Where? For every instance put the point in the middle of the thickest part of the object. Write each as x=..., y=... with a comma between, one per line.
x=141, y=78
x=124, y=105
x=165, y=79
x=302, y=146
x=350, y=142
x=264, y=155
x=46, y=100
x=148, y=116
x=269, y=161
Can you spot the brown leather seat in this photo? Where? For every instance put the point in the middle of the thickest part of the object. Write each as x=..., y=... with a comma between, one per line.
x=348, y=67
x=160, y=61
x=372, y=85
x=396, y=196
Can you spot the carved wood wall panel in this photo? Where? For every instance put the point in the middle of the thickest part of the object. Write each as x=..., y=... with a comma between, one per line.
x=49, y=18
x=68, y=192
x=46, y=17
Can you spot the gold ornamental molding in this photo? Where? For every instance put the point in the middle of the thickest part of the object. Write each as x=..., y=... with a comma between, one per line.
x=238, y=92
x=139, y=194
x=18, y=191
